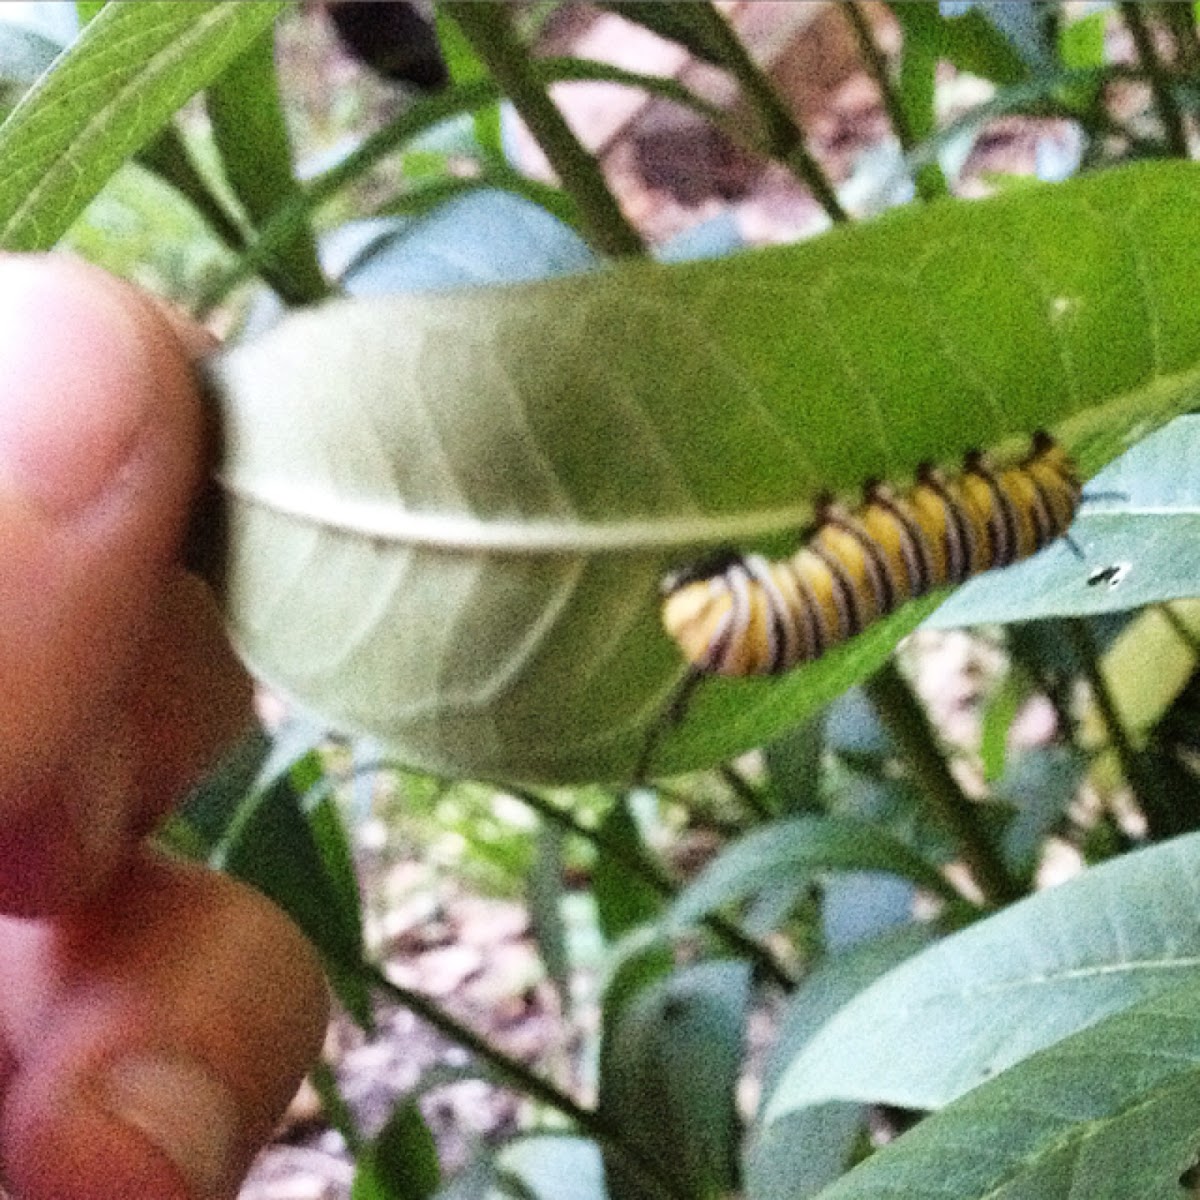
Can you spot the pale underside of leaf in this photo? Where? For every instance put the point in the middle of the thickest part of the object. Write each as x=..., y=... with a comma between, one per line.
x=1111, y=1114
x=974, y=1004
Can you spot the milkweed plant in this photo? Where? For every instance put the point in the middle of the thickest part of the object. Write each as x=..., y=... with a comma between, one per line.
x=520, y=507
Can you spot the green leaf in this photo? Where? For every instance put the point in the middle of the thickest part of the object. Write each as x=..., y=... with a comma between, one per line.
x=337, y=858
x=797, y=1155
x=624, y=899
x=892, y=804
x=251, y=136
x=1039, y=786
x=401, y=1161
x=219, y=802
x=1111, y=1114
x=799, y=849
x=450, y=514
x=210, y=806
x=544, y=896
x=1150, y=663
x=434, y=194
x=458, y=245
x=113, y=89
x=552, y=1167
x=830, y=985
x=971, y=42
x=1080, y=48
x=465, y=67
x=987, y=40
x=793, y=764
x=668, y=1074
x=991, y=995
x=301, y=861
x=426, y=114
x=1081, y=41
x=643, y=961
x=860, y=905
x=420, y=117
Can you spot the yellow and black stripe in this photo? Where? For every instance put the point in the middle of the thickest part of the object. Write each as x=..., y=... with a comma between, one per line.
x=743, y=615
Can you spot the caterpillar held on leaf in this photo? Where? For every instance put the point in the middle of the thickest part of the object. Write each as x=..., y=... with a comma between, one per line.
x=739, y=615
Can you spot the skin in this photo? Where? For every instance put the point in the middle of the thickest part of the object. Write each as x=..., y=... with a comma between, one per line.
x=155, y=1018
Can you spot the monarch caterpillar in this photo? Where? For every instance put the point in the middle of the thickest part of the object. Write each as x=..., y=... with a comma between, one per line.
x=739, y=615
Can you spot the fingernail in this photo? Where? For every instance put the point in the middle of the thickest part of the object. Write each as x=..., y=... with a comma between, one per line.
x=183, y=1110
x=75, y=382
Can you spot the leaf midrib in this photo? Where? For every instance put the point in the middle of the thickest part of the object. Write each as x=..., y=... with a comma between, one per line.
x=380, y=521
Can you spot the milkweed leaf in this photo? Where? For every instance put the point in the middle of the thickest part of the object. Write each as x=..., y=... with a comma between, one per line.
x=115, y=86
x=624, y=899
x=401, y=1162
x=246, y=113
x=449, y=514
x=552, y=1167
x=797, y=1155
x=1111, y=1113
x=983, y=999
x=799, y=850
x=668, y=1071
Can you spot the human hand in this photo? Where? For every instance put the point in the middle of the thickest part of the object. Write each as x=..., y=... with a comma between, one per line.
x=155, y=1017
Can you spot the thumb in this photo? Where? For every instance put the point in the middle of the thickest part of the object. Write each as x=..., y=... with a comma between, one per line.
x=100, y=452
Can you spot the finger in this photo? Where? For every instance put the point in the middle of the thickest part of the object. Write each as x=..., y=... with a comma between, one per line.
x=154, y=1043
x=100, y=452
x=194, y=700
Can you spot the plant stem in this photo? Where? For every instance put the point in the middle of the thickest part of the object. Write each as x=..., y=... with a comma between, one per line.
x=785, y=139
x=1160, y=812
x=904, y=716
x=1180, y=19
x=638, y=864
x=1160, y=79
x=1084, y=646
x=337, y=1113
x=517, y=1075
x=168, y=157
x=746, y=792
x=928, y=179
x=488, y=27
x=1181, y=629
x=878, y=69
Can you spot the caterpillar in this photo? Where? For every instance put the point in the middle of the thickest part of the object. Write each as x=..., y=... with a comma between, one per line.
x=739, y=615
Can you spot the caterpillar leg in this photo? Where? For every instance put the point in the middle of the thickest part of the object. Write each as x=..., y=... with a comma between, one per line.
x=672, y=713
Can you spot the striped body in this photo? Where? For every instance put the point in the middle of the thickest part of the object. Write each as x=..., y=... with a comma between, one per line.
x=744, y=615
